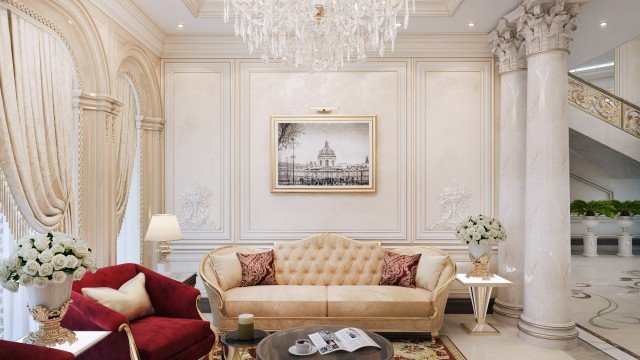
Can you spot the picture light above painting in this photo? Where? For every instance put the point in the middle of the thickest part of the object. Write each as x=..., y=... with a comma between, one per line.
x=330, y=153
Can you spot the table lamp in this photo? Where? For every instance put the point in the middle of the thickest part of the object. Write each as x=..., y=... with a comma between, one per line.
x=162, y=229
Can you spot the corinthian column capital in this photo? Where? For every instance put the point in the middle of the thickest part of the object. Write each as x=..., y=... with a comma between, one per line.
x=509, y=49
x=547, y=25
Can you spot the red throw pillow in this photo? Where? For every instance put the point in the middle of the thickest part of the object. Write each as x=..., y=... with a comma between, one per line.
x=257, y=269
x=399, y=270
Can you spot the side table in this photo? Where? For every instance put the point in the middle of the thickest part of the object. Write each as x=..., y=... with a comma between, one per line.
x=232, y=348
x=480, y=292
x=85, y=340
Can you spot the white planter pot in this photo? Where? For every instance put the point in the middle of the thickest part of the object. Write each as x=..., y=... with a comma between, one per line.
x=625, y=248
x=590, y=240
x=51, y=296
x=478, y=250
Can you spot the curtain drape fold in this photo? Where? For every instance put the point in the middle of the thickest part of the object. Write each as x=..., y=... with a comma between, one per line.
x=36, y=122
x=125, y=141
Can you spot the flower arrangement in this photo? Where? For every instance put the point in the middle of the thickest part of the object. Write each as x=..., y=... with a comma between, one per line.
x=44, y=258
x=482, y=230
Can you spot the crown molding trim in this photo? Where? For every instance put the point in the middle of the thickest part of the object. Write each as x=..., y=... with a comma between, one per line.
x=194, y=46
x=135, y=20
x=215, y=8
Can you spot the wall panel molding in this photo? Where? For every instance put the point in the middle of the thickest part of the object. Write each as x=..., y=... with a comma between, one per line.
x=198, y=149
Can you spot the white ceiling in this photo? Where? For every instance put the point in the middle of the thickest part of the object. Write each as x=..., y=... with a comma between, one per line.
x=590, y=40
x=484, y=13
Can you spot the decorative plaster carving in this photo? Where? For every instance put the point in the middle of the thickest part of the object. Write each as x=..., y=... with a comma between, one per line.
x=51, y=25
x=195, y=207
x=547, y=25
x=509, y=48
x=454, y=207
x=631, y=120
x=594, y=102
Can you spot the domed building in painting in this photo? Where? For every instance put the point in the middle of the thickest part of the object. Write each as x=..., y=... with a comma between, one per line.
x=326, y=156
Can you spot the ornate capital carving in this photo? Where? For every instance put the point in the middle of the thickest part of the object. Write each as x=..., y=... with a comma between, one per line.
x=509, y=49
x=547, y=25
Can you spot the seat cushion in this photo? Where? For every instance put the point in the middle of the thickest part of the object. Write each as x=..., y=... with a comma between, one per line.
x=161, y=338
x=378, y=301
x=277, y=301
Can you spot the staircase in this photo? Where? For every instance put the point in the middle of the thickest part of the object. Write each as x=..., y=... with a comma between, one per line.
x=604, y=106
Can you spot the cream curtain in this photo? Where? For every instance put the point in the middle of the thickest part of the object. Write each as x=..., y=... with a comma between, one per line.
x=36, y=122
x=125, y=140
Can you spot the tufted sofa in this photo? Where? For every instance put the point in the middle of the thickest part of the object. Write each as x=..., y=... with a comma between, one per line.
x=331, y=279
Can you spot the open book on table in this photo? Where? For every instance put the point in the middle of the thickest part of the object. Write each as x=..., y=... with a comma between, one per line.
x=347, y=339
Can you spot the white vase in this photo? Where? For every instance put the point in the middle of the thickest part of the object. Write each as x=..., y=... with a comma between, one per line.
x=590, y=240
x=51, y=296
x=624, y=239
x=478, y=250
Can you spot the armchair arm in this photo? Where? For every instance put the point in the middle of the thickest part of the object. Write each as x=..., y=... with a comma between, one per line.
x=441, y=293
x=170, y=298
x=87, y=314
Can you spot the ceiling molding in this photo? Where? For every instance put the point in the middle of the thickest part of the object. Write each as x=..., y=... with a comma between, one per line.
x=135, y=20
x=407, y=45
x=215, y=8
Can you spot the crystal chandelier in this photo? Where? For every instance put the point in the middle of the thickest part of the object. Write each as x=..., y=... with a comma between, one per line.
x=317, y=35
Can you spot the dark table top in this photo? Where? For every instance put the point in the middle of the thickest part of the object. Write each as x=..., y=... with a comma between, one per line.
x=276, y=346
x=231, y=339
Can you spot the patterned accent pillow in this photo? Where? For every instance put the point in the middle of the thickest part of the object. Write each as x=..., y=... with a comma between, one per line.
x=257, y=269
x=399, y=270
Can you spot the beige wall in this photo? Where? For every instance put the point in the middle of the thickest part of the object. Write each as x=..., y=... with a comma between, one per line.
x=434, y=131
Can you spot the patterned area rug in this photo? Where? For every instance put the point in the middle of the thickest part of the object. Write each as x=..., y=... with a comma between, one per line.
x=443, y=349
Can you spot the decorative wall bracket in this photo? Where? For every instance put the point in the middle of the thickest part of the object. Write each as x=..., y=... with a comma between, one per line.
x=454, y=207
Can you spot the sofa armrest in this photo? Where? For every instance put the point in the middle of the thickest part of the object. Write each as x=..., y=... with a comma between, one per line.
x=170, y=298
x=441, y=292
x=87, y=314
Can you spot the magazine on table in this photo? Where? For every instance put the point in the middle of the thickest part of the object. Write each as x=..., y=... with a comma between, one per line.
x=347, y=339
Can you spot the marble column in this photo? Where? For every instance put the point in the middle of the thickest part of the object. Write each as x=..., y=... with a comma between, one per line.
x=547, y=318
x=511, y=190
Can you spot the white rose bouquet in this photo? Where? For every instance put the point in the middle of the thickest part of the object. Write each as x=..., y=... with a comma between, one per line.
x=44, y=258
x=482, y=230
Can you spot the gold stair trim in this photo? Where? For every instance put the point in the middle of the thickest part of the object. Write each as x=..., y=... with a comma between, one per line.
x=603, y=105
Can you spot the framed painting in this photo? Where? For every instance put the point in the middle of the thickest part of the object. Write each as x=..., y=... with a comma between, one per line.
x=330, y=153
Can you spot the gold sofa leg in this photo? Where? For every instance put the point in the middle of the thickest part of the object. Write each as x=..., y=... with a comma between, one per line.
x=434, y=335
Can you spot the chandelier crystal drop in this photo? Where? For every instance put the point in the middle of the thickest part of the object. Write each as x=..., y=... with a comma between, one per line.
x=317, y=35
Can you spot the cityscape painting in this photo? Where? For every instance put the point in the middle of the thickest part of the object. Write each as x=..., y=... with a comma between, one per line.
x=331, y=153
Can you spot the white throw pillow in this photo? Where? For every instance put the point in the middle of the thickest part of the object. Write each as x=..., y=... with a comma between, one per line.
x=131, y=299
x=228, y=270
x=429, y=269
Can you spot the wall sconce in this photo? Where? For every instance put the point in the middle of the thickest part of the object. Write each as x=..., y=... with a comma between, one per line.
x=324, y=109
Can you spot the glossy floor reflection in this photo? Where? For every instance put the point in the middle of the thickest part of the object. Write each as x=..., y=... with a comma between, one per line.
x=606, y=296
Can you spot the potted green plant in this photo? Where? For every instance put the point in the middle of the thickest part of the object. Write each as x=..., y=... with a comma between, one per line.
x=589, y=211
x=623, y=212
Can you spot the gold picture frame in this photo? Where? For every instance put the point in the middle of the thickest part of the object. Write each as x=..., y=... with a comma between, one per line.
x=351, y=167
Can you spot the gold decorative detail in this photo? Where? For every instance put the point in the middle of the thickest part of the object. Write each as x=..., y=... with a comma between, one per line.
x=133, y=349
x=50, y=332
x=605, y=106
x=480, y=267
x=631, y=120
x=593, y=102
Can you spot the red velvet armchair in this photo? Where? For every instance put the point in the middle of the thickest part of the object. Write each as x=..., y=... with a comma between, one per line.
x=15, y=350
x=177, y=330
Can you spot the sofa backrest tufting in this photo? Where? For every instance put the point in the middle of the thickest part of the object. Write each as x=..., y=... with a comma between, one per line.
x=328, y=259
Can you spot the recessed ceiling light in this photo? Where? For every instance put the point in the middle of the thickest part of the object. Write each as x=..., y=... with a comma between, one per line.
x=603, y=23
x=398, y=24
x=180, y=26
x=471, y=24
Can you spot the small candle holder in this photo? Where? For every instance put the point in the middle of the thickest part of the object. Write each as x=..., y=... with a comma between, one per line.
x=245, y=326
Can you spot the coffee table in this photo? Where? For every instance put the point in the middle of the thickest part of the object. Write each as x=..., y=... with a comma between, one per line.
x=276, y=346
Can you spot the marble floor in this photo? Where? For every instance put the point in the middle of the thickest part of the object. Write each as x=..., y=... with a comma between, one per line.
x=507, y=346
x=606, y=297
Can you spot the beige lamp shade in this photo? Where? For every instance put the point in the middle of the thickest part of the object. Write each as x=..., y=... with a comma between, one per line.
x=163, y=227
